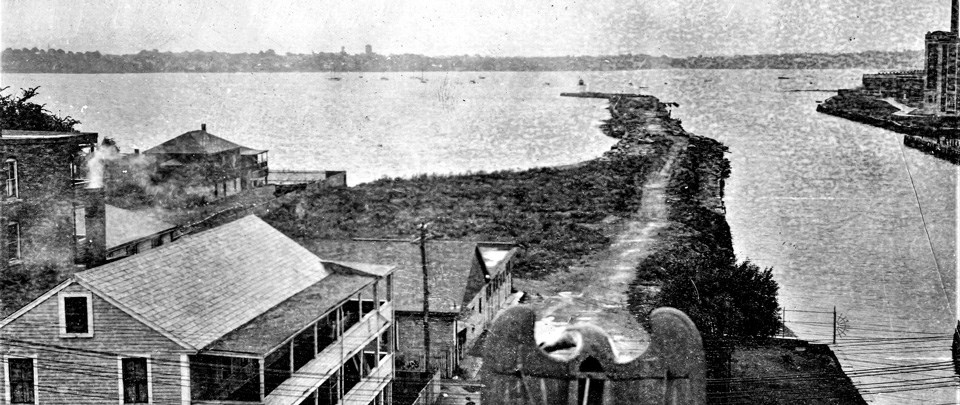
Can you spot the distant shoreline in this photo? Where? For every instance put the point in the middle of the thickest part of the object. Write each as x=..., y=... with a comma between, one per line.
x=58, y=61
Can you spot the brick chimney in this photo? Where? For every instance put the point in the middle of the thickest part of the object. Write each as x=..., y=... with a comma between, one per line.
x=95, y=221
x=955, y=16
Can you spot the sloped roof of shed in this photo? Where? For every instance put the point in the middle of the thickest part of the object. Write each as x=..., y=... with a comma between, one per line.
x=125, y=226
x=450, y=263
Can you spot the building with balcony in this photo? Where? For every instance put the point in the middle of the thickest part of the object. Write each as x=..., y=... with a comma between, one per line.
x=45, y=185
x=207, y=164
x=469, y=283
x=238, y=314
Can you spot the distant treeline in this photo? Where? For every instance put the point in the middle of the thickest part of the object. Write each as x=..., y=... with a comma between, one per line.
x=153, y=61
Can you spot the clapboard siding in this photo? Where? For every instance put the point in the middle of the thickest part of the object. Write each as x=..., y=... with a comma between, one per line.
x=113, y=329
x=85, y=370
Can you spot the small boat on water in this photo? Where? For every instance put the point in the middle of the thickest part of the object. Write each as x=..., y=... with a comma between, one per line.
x=383, y=78
x=336, y=79
x=782, y=78
x=580, y=82
x=483, y=77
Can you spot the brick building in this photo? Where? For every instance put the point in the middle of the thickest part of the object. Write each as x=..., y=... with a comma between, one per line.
x=45, y=186
x=941, y=93
x=906, y=86
x=469, y=283
x=234, y=315
x=210, y=165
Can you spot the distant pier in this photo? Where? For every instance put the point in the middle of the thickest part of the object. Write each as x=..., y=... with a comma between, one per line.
x=595, y=94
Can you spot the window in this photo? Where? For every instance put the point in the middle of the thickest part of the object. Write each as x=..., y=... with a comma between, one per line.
x=76, y=315
x=21, y=376
x=12, y=186
x=13, y=241
x=135, y=380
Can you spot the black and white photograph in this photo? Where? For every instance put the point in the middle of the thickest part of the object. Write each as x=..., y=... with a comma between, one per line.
x=466, y=202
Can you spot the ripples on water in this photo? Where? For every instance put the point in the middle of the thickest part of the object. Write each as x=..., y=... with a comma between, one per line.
x=827, y=202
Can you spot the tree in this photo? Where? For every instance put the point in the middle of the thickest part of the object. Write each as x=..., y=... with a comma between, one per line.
x=727, y=301
x=21, y=113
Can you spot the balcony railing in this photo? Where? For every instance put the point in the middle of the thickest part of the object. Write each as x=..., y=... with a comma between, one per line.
x=306, y=380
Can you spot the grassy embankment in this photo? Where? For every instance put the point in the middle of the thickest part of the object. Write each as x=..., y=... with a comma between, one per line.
x=554, y=214
x=693, y=268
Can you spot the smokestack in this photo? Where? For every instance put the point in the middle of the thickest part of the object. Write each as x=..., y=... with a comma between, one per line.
x=955, y=17
x=203, y=127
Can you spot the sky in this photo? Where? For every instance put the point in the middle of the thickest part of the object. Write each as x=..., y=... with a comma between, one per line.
x=485, y=27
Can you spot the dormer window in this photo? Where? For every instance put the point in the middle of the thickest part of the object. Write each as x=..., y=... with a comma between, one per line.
x=76, y=315
x=12, y=183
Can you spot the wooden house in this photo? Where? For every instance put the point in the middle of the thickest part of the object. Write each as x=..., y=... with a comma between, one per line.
x=469, y=284
x=216, y=166
x=239, y=314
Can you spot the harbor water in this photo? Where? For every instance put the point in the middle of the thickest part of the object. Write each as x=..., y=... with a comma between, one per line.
x=847, y=217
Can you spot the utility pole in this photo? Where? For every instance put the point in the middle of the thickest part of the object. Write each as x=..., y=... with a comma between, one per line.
x=834, y=324
x=426, y=297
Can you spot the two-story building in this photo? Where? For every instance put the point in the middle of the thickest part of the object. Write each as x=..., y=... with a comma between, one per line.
x=209, y=164
x=45, y=186
x=469, y=283
x=238, y=314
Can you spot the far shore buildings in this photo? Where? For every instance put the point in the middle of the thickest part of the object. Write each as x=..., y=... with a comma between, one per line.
x=470, y=282
x=212, y=166
x=941, y=90
x=936, y=88
x=239, y=314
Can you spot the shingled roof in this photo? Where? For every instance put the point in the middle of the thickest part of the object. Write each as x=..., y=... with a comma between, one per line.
x=125, y=226
x=194, y=142
x=204, y=286
x=450, y=266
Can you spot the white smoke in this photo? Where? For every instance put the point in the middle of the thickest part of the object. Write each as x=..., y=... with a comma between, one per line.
x=96, y=163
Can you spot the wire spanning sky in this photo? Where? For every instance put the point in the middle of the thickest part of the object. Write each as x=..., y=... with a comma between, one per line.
x=484, y=27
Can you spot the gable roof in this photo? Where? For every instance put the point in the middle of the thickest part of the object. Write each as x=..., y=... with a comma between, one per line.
x=125, y=226
x=450, y=266
x=194, y=142
x=206, y=285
